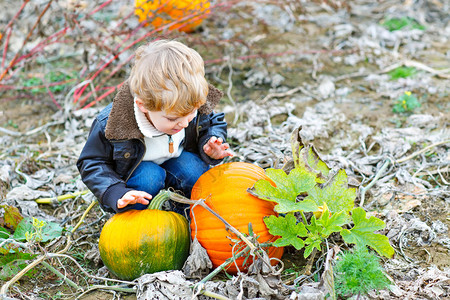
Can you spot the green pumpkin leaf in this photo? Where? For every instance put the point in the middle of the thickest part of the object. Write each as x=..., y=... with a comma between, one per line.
x=288, y=229
x=336, y=194
x=311, y=244
x=314, y=239
x=321, y=228
x=363, y=233
x=288, y=187
x=331, y=203
x=333, y=223
x=313, y=228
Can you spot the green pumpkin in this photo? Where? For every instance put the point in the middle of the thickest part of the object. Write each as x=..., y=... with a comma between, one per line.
x=138, y=242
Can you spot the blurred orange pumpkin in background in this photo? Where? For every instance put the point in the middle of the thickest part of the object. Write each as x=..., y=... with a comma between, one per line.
x=162, y=12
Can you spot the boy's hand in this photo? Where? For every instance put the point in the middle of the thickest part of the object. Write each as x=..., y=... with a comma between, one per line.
x=216, y=149
x=133, y=197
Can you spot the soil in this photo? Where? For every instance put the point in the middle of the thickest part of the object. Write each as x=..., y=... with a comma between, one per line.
x=336, y=51
x=431, y=254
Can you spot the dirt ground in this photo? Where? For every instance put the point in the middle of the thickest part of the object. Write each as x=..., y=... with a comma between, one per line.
x=327, y=66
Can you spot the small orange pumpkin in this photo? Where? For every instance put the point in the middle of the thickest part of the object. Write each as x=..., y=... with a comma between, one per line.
x=162, y=12
x=225, y=188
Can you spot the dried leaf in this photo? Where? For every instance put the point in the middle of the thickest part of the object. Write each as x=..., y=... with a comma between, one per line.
x=12, y=216
x=198, y=263
x=163, y=285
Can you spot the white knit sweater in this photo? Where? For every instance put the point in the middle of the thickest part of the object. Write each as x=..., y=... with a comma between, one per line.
x=157, y=142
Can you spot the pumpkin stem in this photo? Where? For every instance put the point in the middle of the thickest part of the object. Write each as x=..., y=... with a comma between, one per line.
x=164, y=195
x=158, y=201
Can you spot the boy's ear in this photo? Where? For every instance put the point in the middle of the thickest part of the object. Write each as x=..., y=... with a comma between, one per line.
x=140, y=104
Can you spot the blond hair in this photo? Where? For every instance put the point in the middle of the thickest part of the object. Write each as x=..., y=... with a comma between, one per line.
x=169, y=76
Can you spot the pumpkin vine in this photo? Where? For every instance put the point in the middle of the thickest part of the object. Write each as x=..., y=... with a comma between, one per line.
x=311, y=186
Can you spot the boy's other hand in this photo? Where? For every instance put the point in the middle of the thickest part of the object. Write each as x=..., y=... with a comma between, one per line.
x=133, y=197
x=216, y=148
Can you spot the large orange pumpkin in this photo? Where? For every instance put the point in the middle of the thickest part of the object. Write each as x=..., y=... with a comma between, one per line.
x=225, y=188
x=162, y=12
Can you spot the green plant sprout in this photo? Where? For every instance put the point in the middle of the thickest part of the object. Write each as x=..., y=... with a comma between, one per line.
x=357, y=272
x=394, y=24
x=58, y=77
x=310, y=187
x=402, y=72
x=36, y=234
x=35, y=230
x=407, y=103
x=11, y=124
x=35, y=83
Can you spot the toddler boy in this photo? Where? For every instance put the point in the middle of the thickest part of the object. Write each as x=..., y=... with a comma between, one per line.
x=160, y=131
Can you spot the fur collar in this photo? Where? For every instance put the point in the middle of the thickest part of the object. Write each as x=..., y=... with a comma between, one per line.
x=122, y=122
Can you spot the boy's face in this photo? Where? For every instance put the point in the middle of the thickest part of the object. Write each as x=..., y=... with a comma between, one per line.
x=170, y=123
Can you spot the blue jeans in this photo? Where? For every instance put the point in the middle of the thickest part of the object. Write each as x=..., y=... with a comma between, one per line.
x=180, y=173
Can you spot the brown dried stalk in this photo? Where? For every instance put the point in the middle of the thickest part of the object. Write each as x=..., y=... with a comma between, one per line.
x=13, y=61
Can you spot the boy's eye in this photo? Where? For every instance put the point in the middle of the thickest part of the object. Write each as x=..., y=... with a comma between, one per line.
x=172, y=119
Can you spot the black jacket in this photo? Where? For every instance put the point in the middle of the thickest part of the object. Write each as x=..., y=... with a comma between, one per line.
x=115, y=145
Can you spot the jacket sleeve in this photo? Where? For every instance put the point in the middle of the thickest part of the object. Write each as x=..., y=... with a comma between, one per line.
x=96, y=167
x=211, y=125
